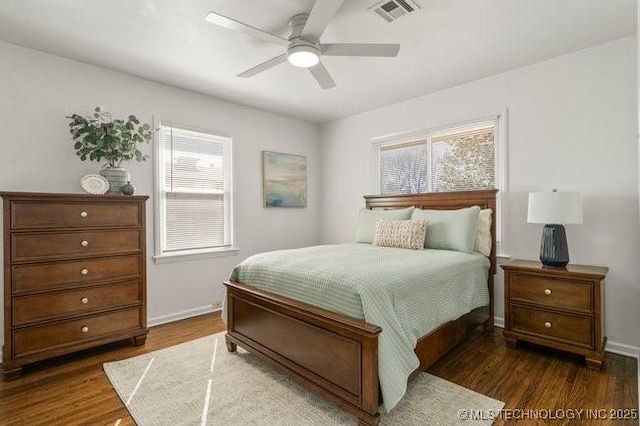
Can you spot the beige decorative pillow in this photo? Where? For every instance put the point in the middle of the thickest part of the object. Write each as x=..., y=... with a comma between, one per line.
x=407, y=234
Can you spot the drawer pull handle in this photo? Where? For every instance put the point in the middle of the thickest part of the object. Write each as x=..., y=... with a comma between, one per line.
x=547, y=291
x=85, y=329
x=84, y=300
x=84, y=243
x=84, y=214
x=84, y=271
x=547, y=324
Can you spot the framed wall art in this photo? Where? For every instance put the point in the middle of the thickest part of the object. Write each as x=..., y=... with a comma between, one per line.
x=284, y=178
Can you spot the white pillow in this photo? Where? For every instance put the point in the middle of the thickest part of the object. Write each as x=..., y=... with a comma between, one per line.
x=483, y=232
x=408, y=234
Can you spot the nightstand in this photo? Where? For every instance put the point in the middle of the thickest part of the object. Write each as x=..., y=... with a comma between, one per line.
x=558, y=307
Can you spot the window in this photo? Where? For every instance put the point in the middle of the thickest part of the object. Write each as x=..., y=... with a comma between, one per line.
x=459, y=157
x=193, y=193
x=452, y=159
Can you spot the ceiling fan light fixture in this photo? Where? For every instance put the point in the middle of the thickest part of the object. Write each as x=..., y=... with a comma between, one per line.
x=303, y=56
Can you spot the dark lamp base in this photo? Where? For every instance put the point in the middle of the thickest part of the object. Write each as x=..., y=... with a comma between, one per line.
x=553, y=248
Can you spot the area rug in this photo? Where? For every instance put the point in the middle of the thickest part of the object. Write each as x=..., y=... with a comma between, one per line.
x=200, y=383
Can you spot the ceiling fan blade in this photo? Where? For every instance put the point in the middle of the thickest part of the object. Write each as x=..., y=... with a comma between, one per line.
x=320, y=16
x=322, y=76
x=232, y=24
x=264, y=66
x=360, y=49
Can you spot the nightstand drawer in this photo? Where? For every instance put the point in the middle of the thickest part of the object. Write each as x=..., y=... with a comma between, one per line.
x=574, y=329
x=553, y=292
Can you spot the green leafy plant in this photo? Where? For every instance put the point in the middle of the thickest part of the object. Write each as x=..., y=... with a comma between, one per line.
x=99, y=138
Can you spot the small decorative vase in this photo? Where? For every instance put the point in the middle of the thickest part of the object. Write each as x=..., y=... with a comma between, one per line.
x=117, y=177
x=128, y=189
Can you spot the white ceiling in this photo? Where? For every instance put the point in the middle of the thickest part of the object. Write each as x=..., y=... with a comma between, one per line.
x=449, y=42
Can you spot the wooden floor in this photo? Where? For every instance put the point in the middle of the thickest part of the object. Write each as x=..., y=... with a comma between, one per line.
x=75, y=391
x=533, y=380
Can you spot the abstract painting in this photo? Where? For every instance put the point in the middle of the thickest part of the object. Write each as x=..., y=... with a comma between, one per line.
x=284, y=179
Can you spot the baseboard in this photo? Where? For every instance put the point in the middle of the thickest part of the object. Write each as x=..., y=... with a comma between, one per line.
x=177, y=316
x=498, y=322
x=622, y=349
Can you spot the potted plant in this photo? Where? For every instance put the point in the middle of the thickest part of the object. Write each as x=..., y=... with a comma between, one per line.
x=101, y=138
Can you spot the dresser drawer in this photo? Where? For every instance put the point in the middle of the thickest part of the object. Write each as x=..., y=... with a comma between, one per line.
x=39, y=246
x=42, y=276
x=30, y=214
x=33, y=339
x=553, y=292
x=575, y=329
x=38, y=307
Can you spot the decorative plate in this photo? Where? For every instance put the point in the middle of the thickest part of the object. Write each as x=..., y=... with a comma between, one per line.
x=94, y=184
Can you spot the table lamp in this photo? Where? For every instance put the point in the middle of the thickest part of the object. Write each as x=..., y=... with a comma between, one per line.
x=554, y=209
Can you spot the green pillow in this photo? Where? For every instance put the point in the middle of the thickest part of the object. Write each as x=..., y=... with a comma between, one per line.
x=450, y=229
x=367, y=219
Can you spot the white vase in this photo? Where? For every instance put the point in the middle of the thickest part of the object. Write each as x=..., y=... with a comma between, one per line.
x=117, y=177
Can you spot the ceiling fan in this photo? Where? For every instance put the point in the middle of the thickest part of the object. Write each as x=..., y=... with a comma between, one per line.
x=303, y=45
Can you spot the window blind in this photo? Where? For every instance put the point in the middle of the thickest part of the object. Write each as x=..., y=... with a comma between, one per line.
x=195, y=190
x=403, y=168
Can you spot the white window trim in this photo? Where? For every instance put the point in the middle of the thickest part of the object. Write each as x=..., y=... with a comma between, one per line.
x=501, y=131
x=159, y=257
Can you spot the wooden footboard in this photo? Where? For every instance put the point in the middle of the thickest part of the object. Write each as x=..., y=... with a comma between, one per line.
x=331, y=354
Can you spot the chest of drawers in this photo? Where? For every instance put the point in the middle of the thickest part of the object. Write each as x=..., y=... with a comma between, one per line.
x=561, y=307
x=74, y=274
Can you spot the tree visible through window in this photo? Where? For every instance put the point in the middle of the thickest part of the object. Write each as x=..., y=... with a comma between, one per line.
x=464, y=161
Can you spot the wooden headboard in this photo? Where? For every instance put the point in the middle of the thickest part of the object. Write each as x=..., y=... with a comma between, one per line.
x=486, y=199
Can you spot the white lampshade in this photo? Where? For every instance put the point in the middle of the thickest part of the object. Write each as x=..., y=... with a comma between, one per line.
x=555, y=207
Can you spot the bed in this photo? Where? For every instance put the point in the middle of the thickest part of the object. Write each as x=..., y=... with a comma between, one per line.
x=337, y=355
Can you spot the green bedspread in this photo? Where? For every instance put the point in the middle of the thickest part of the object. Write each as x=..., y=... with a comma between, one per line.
x=407, y=293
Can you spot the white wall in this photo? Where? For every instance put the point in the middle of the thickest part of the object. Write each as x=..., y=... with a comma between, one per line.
x=572, y=126
x=38, y=90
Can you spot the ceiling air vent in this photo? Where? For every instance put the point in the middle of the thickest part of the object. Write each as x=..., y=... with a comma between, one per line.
x=390, y=10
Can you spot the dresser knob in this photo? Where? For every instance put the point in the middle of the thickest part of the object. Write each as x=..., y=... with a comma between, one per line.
x=547, y=291
x=84, y=214
x=547, y=324
x=84, y=243
x=85, y=329
x=84, y=300
x=84, y=271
